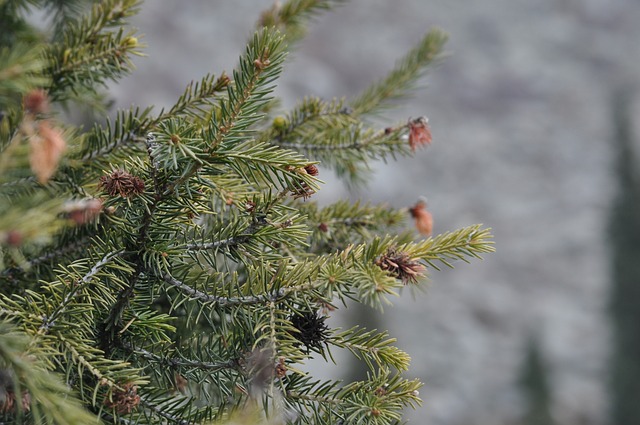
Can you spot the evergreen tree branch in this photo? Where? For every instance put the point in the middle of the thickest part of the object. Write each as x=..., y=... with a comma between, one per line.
x=76, y=288
x=181, y=362
x=32, y=386
x=252, y=85
x=235, y=301
x=402, y=78
x=199, y=271
x=292, y=16
x=372, y=345
x=21, y=70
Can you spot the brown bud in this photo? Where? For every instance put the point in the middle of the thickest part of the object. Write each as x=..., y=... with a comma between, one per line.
x=46, y=149
x=223, y=81
x=423, y=218
x=323, y=227
x=13, y=238
x=400, y=265
x=380, y=391
x=84, y=211
x=123, y=400
x=419, y=132
x=36, y=102
x=311, y=169
x=261, y=63
x=8, y=405
x=181, y=383
x=121, y=183
x=250, y=206
x=281, y=368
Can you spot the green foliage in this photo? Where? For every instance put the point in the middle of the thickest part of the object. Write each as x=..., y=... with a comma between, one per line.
x=170, y=266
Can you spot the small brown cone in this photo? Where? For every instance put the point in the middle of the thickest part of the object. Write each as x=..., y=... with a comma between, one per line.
x=419, y=132
x=47, y=147
x=423, y=218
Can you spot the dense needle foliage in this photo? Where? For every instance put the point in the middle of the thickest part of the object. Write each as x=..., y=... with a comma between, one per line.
x=171, y=266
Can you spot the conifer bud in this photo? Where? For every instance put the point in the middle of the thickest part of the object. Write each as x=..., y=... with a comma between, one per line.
x=13, y=238
x=130, y=42
x=36, y=102
x=423, y=218
x=121, y=183
x=261, y=64
x=419, y=132
x=9, y=403
x=223, y=81
x=279, y=123
x=124, y=399
x=400, y=265
x=46, y=149
x=83, y=211
x=312, y=170
x=281, y=368
x=311, y=329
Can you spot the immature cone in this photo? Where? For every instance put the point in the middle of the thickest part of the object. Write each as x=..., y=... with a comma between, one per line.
x=419, y=132
x=400, y=265
x=8, y=405
x=122, y=183
x=312, y=331
x=423, y=218
x=47, y=147
x=124, y=400
x=312, y=170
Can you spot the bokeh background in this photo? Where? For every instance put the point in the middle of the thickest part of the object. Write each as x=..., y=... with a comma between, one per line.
x=522, y=114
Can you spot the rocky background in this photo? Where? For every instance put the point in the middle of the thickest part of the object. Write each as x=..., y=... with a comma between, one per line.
x=521, y=111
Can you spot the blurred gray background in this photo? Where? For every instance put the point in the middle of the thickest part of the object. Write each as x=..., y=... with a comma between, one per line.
x=521, y=113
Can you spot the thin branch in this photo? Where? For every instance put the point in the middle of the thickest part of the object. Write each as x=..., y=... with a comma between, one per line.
x=49, y=321
x=232, y=241
x=178, y=362
x=235, y=301
x=48, y=256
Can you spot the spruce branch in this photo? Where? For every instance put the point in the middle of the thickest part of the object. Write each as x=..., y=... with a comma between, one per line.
x=402, y=79
x=235, y=301
x=87, y=56
x=199, y=270
x=21, y=70
x=181, y=362
x=76, y=288
x=372, y=346
x=344, y=143
x=459, y=245
x=133, y=126
x=292, y=16
x=246, y=96
x=35, y=389
x=90, y=64
x=197, y=97
x=252, y=85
